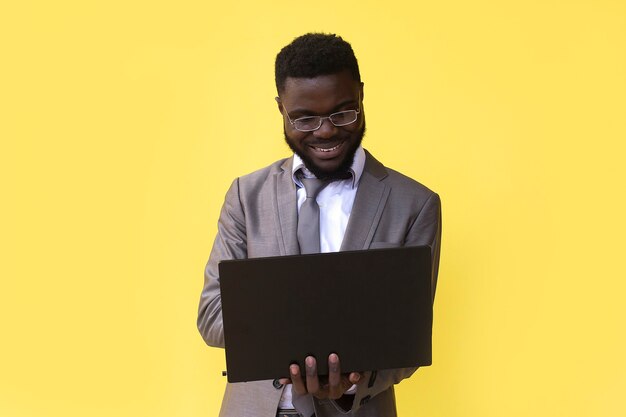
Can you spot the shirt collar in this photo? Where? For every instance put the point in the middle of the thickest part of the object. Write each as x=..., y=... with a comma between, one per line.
x=356, y=169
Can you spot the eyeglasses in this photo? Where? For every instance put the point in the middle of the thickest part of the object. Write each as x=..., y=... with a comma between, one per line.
x=312, y=123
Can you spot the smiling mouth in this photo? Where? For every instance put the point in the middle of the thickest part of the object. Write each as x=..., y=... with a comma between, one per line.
x=327, y=149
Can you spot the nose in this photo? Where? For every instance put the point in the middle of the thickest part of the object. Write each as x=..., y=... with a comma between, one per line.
x=326, y=131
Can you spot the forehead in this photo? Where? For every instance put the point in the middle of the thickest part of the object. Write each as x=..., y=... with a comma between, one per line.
x=321, y=93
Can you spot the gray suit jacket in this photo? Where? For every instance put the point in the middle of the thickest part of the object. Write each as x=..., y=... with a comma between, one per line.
x=259, y=218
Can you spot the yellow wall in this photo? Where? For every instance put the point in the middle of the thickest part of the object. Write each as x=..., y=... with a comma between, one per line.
x=122, y=124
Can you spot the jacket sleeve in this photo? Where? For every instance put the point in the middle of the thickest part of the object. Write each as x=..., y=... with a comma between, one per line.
x=230, y=243
x=426, y=230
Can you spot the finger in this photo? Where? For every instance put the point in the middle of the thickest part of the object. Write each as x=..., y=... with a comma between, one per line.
x=296, y=379
x=312, y=382
x=284, y=381
x=335, y=387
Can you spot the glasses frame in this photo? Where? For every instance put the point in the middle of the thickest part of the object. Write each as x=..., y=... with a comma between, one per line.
x=322, y=118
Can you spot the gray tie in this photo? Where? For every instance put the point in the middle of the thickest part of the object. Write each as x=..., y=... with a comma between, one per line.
x=309, y=217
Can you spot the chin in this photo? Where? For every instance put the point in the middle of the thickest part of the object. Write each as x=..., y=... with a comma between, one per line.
x=338, y=172
x=341, y=170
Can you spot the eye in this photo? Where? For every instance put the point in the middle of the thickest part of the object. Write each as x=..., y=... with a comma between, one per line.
x=309, y=122
x=343, y=117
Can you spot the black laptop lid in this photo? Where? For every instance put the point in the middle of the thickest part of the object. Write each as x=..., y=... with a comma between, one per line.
x=373, y=308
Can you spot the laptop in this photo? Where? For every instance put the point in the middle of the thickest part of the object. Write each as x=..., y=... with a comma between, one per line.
x=371, y=307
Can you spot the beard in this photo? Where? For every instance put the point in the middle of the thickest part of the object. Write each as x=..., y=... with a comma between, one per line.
x=342, y=171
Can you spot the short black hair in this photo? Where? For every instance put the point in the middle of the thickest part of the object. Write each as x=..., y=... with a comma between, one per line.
x=315, y=54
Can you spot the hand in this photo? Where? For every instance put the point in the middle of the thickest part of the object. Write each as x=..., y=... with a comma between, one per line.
x=336, y=386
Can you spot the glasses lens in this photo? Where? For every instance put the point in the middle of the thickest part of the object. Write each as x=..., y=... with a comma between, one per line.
x=306, y=124
x=343, y=118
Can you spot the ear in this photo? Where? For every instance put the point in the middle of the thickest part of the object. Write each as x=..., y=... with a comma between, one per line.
x=280, y=104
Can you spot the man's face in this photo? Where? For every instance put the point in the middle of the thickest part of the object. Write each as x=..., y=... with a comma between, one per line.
x=327, y=152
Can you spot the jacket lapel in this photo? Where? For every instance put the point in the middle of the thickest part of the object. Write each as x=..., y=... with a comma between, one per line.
x=369, y=203
x=285, y=209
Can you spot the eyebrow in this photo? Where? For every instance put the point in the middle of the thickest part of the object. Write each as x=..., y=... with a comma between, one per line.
x=307, y=112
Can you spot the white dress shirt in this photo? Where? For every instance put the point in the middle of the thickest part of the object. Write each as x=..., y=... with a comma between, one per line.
x=335, y=201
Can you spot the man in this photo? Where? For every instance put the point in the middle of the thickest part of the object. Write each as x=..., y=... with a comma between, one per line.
x=361, y=205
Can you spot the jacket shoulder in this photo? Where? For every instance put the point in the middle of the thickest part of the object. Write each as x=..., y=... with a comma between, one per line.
x=407, y=184
x=394, y=179
x=257, y=178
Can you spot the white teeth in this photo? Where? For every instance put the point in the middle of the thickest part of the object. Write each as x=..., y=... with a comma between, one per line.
x=329, y=149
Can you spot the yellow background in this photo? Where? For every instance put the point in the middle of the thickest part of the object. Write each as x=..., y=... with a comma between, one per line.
x=122, y=124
